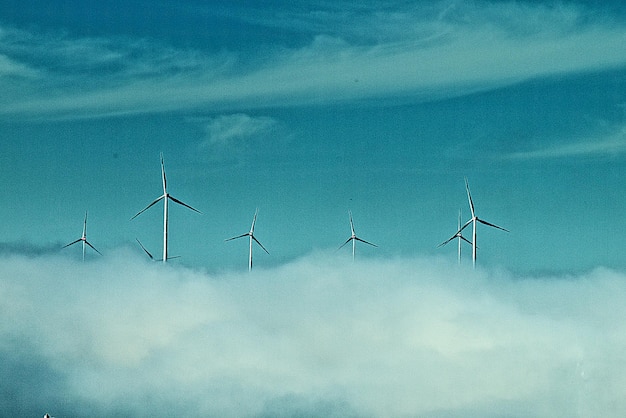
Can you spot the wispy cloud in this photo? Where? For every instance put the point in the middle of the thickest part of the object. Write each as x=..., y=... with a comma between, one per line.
x=316, y=337
x=9, y=67
x=611, y=145
x=237, y=138
x=454, y=50
x=226, y=129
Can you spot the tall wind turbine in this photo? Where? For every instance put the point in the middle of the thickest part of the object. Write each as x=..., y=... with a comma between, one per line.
x=166, y=198
x=473, y=221
x=354, y=238
x=83, y=238
x=459, y=236
x=252, y=238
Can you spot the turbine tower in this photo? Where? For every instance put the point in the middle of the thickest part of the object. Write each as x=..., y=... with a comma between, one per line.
x=354, y=238
x=166, y=198
x=459, y=236
x=252, y=238
x=83, y=238
x=475, y=219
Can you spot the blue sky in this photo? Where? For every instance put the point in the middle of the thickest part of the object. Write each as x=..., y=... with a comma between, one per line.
x=308, y=109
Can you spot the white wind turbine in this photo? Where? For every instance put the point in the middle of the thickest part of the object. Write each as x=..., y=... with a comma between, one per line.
x=166, y=197
x=252, y=238
x=473, y=221
x=354, y=238
x=83, y=238
x=459, y=236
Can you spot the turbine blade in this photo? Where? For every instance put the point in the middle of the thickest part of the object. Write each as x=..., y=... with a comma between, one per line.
x=465, y=239
x=168, y=257
x=492, y=225
x=341, y=246
x=92, y=247
x=257, y=241
x=469, y=197
x=182, y=203
x=72, y=243
x=448, y=240
x=147, y=207
x=351, y=222
x=163, y=175
x=457, y=234
x=464, y=226
x=256, y=212
x=85, y=226
x=362, y=240
x=144, y=248
x=247, y=234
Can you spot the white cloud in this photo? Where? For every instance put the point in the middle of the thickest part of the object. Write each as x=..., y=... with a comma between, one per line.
x=225, y=129
x=467, y=48
x=402, y=337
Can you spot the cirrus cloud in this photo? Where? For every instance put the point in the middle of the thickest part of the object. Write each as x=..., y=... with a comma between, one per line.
x=452, y=51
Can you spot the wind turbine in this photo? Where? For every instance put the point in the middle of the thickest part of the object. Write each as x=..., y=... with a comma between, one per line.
x=459, y=236
x=473, y=221
x=83, y=238
x=354, y=238
x=252, y=238
x=166, y=198
x=148, y=252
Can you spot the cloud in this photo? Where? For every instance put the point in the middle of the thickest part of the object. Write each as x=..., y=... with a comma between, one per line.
x=225, y=129
x=611, y=145
x=10, y=68
x=451, y=51
x=315, y=337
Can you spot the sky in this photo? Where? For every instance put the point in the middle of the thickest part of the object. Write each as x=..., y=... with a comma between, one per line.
x=308, y=110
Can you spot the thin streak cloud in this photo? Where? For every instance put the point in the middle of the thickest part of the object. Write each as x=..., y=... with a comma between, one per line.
x=471, y=49
x=610, y=146
x=9, y=68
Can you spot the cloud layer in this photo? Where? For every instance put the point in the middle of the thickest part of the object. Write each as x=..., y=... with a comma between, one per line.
x=316, y=337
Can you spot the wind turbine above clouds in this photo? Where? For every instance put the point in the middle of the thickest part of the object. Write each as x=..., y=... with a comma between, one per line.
x=475, y=219
x=83, y=238
x=166, y=198
x=354, y=238
x=459, y=236
x=252, y=238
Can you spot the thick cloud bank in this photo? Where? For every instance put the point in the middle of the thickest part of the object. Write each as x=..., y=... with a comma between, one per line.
x=119, y=336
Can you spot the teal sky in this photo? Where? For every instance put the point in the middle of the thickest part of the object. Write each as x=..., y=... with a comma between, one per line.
x=307, y=110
